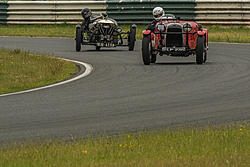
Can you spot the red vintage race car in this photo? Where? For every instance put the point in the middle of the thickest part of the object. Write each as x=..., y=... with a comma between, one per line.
x=175, y=37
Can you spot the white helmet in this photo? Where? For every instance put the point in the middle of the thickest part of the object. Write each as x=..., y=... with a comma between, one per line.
x=158, y=13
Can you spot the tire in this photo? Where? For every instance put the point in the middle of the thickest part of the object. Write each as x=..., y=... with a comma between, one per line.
x=78, y=39
x=146, y=50
x=132, y=39
x=98, y=48
x=205, y=56
x=200, y=50
x=153, y=58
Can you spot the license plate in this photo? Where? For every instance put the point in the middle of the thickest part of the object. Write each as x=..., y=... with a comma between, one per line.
x=177, y=49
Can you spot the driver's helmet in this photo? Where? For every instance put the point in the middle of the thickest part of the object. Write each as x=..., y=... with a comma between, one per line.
x=86, y=13
x=158, y=13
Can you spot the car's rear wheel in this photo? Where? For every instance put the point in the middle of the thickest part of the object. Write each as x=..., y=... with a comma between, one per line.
x=200, y=50
x=132, y=38
x=78, y=39
x=146, y=50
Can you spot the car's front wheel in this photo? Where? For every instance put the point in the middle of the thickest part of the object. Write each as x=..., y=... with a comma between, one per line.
x=132, y=38
x=78, y=39
x=153, y=58
x=146, y=50
x=200, y=50
x=205, y=50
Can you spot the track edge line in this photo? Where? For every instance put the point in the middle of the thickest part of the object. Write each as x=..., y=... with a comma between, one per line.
x=88, y=70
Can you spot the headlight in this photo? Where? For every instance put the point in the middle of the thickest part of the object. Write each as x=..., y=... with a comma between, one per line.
x=161, y=27
x=187, y=27
x=119, y=30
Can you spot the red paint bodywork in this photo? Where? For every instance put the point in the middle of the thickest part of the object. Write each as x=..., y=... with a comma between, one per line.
x=146, y=32
x=192, y=38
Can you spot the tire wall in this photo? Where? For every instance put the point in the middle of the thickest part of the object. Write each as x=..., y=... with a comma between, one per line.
x=3, y=12
x=212, y=12
x=223, y=12
x=140, y=11
x=47, y=12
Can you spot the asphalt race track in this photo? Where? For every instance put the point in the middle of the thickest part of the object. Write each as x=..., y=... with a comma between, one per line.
x=123, y=95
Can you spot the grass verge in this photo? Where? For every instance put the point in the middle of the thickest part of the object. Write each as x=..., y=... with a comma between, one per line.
x=23, y=70
x=216, y=33
x=182, y=147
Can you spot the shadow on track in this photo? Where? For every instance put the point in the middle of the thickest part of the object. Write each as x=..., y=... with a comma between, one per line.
x=104, y=50
x=176, y=63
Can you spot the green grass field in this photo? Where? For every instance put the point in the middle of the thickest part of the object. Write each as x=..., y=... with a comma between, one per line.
x=216, y=33
x=23, y=70
x=206, y=147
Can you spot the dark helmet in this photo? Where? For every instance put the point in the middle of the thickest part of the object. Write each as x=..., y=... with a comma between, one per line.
x=86, y=12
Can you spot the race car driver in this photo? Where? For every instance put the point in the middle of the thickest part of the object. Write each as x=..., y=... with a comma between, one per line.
x=88, y=19
x=158, y=14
